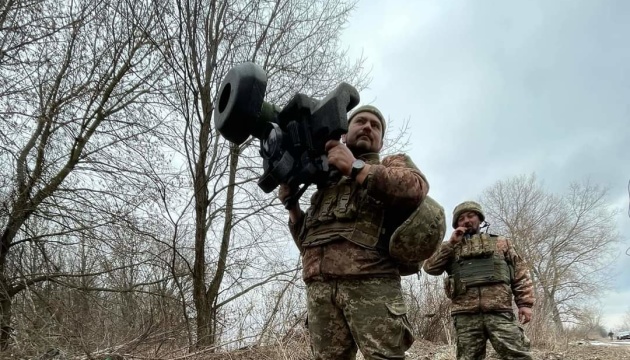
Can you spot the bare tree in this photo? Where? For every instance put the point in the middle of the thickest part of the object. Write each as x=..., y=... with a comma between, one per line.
x=429, y=308
x=118, y=199
x=76, y=77
x=568, y=239
x=22, y=24
x=296, y=42
x=588, y=323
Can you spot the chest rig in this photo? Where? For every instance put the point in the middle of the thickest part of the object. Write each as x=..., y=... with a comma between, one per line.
x=477, y=262
x=344, y=210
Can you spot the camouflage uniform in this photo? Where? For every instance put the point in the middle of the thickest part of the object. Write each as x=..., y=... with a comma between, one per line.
x=481, y=298
x=354, y=296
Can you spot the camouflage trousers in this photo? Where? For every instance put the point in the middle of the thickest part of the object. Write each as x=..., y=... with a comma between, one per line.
x=505, y=335
x=366, y=313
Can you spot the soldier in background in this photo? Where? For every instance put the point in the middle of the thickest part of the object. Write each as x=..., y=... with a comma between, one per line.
x=484, y=275
x=354, y=296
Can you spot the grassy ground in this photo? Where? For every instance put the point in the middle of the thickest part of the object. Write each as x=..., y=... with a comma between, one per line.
x=424, y=350
x=298, y=349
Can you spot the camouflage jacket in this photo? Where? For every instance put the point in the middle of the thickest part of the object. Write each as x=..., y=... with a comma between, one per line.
x=486, y=298
x=391, y=181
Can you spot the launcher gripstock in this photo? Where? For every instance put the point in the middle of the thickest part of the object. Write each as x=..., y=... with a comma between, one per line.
x=292, y=139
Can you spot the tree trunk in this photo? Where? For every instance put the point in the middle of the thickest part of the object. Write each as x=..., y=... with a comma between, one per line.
x=551, y=307
x=5, y=314
x=215, y=285
x=204, y=331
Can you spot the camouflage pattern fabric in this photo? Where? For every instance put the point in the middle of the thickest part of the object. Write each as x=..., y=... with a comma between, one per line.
x=398, y=185
x=485, y=298
x=465, y=207
x=420, y=235
x=368, y=314
x=505, y=335
x=397, y=182
x=354, y=296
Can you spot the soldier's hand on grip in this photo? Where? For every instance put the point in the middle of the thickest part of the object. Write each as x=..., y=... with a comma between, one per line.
x=457, y=235
x=340, y=156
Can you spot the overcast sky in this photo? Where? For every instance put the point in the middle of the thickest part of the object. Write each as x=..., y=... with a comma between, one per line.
x=529, y=86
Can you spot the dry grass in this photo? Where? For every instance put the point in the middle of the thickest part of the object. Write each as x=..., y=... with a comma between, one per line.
x=298, y=349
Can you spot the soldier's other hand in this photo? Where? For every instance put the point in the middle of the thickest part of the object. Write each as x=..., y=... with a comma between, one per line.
x=284, y=191
x=457, y=235
x=524, y=314
x=340, y=156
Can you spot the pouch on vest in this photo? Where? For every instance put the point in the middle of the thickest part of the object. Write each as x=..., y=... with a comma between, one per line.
x=477, y=246
x=346, y=207
x=482, y=271
x=343, y=211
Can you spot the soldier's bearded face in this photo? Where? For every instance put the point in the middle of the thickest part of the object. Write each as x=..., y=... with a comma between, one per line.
x=364, y=134
x=470, y=220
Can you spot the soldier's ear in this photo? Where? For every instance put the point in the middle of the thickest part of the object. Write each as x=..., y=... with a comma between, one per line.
x=343, y=138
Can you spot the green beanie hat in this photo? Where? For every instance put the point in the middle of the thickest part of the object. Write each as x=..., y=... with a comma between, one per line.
x=370, y=109
x=465, y=207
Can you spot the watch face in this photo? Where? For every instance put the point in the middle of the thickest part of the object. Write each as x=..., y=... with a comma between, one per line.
x=357, y=165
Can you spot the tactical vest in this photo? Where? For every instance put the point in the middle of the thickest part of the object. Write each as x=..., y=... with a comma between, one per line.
x=477, y=263
x=344, y=210
x=347, y=211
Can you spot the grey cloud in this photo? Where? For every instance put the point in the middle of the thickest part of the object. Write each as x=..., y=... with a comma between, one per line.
x=495, y=89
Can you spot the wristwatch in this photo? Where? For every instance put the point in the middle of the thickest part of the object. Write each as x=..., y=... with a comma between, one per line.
x=357, y=166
